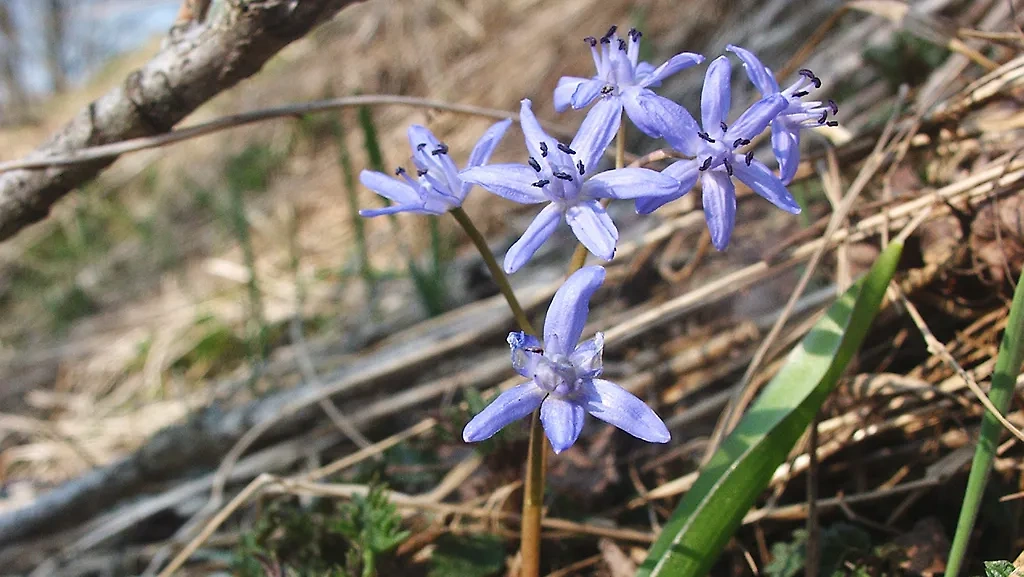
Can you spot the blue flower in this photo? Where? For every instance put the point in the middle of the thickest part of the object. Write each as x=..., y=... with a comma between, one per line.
x=437, y=187
x=797, y=114
x=714, y=160
x=566, y=177
x=622, y=80
x=564, y=377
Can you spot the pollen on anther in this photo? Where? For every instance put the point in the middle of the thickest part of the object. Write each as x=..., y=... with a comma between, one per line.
x=749, y=158
x=579, y=167
x=706, y=136
x=833, y=107
x=421, y=172
x=421, y=146
x=441, y=149
x=399, y=171
x=635, y=34
x=728, y=166
x=534, y=164
x=562, y=175
x=832, y=123
x=806, y=73
x=591, y=40
x=541, y=183
x=608, y=89
x=564, y=148
x=622, y=44
x=706, y=165
x=816, y=82
x=723, y=126
x=739, y=142
x=544, y=149
x=610, y=32
x=824, y=115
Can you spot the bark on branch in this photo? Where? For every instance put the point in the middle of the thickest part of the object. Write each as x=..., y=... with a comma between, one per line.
x=192, y=68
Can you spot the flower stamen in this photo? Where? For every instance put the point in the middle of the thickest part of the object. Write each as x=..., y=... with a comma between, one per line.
x=579, y=166
x=706, y=136
x=534, y=164
x=564, y=148
x=749, y=157
x=706, y=165
x=541, y=183
x=562, y=175
x=544, y=149
x=442, y=148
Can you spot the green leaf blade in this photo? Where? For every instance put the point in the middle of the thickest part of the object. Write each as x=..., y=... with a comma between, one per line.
x=739, y=471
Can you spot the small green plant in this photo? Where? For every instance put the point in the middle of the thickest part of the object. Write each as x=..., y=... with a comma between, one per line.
x=839, y=543
x=347, y=539
x=999, y=569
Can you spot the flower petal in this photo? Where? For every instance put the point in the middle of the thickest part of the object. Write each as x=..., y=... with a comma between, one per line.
x=534, y=236
x=629, y=183
x=425, y=158
x=510, y=406
x=593, y=228
x=768, y=186
x=685, y=173
x=525, y=355
x=533, y=133
x=678, y=62
x=596, y=132
x=755, y=119
x=567, y=314
x=487, y=143
x=563, y=92
x=588, y=357
x=390, y=188
x=563, y=422
x=586, y=92
x=616, y=406
x=396, y=208
x=759, y=74
x=511, y=181
x=675, y=123
x=715, y=97
x=643, y=113
x=786, y=146
x=719, y=195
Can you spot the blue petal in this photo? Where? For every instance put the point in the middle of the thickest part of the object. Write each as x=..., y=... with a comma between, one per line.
x=525, y=357
x=510, y=406
x=755, y=119
x=390, y=188
x=685, y=173
x=645, y=109
x=786, y=146
x=715, y=96
x=768, y=186
x=596, y=132
x=678, y=62
x=587, y=358
x=534, y=236
x=616, y=406
x=487, y=143
x=563, y=422
x=629, y=183
x=643, y=70
x=674, y=122
x=396, y=208
x=719, y=195
x=759, y=74
x=533, y=133
x=511, y=181
x=567, y=314
x=563, y=92
x=586, y=92
x=593, y=228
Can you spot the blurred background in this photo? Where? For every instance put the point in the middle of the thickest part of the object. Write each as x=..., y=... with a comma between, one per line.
x=204, y=276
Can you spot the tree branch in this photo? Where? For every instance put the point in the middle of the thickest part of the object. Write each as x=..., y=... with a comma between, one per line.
x=191, y=69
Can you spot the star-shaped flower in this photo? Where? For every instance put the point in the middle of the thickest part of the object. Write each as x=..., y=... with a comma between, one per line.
x=797, y=114
x=564, y=377
x=437, y=187
x=715, y=160
x=622, y=80
x=566, y=177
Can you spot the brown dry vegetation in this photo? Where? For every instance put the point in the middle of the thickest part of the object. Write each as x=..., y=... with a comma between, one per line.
x=127, y=310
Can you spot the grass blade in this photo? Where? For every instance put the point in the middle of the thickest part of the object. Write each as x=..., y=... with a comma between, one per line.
x=1011, y=354
x=742, y=467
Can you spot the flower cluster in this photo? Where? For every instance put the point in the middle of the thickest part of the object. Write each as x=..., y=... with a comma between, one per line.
x=574, y=186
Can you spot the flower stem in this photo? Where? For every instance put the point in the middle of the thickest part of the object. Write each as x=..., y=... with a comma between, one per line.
x=533, y=500
x=492, y=265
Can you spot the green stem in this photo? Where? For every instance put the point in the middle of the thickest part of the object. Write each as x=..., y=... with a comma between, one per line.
x=1011, y=354
x=492, y=265
x=533, y=500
